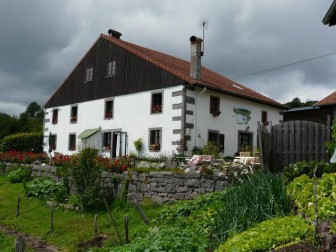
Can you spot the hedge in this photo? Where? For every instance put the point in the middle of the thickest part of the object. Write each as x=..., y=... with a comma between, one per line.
x=23, y=142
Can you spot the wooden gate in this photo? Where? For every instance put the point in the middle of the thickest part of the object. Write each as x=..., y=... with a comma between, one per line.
x=292, y=142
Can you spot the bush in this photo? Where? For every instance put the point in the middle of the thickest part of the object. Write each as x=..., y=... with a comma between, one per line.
x=301, y=190
x=86, y=178
x=24, y=142
x=20, y=174
x=211, y=149
x=14, y=156
x=45, y=187
x=268, y=234
x=300, y=168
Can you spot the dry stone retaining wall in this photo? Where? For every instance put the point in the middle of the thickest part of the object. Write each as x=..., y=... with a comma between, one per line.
x=160, y=187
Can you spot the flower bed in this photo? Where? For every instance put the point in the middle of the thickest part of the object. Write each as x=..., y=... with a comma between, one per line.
x=14, y=156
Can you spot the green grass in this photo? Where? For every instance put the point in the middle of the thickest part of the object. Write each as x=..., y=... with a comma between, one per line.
x=7, y=243
x=70, y=227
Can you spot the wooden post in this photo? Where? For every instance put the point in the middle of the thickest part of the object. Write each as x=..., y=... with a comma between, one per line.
x=141, y=212
x=52, y=218
x=18, y=206
x=19, y=244
x=315, y=204
x=112, y=220
x=126, y=229
x=95, y=225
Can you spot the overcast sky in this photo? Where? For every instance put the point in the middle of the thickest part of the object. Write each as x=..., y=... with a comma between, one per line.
x=42, y=40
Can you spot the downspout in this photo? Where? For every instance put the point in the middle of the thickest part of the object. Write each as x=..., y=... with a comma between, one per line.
x=184, y=118
x=196, y=113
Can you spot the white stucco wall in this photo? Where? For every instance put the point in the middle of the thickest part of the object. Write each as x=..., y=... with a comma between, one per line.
x=131, y=114
x=226, y=123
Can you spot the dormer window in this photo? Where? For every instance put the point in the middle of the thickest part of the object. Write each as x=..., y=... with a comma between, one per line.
x=88, y=74
x=215, y=105
x=111, y=69
x=156, y=104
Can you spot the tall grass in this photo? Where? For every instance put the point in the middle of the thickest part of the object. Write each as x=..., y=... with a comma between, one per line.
x=260, y=197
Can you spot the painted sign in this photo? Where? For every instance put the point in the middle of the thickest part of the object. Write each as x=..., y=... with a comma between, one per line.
x=242, y=114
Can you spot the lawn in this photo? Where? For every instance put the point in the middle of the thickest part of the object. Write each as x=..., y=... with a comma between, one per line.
x=70, y=227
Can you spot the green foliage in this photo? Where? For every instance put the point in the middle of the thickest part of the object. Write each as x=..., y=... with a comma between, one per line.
x=24, y=142
x=301, y=191
x=268, y=234
x=86, y=177
x=197, y=150
x=242, y=205
x=169, y=238
x=331, y=146
x=20, y=174
x=296, y=103
x=138, y=144
x=46, y=188
x=211, y=149
x=300, y=168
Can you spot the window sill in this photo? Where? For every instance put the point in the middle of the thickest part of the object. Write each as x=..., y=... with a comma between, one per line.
x=156, y=113
x=108, y=118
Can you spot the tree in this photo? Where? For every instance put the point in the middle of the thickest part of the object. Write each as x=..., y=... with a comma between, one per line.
x=296, y=103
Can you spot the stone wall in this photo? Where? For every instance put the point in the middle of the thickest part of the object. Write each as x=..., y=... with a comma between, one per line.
x=160, y=187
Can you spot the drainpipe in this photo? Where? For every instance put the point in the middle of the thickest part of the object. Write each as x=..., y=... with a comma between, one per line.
x=196, y=113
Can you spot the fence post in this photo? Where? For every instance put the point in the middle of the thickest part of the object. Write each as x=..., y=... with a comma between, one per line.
x=141, y=212
x=126, y=229
x=19, y=244
x=18, y=206
x=95, y=224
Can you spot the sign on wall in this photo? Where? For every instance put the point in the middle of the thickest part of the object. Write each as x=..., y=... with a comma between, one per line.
x=242, y=114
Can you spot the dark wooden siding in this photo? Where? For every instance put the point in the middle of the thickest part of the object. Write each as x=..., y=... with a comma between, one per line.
x=319, y=115
x=133, y=74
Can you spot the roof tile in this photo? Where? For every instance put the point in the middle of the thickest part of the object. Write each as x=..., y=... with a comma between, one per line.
x=329, y=100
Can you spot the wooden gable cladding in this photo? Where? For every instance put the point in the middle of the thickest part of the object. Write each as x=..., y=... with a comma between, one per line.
x=133, y=74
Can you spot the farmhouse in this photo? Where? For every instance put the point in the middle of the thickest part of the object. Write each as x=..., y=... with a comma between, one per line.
x=120, y=92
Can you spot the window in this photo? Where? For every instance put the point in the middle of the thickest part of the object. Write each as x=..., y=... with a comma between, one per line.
x=111, y=68
x=72, y=142
x=264, y=118
x=88, y=74
x=107, y=141
x=156, y=105
x=53, y=142
x=214, y=106
x=55, y=116
x=217, y=139
x=108, y=109
x=245, y=140
x=155, y=139
x=73, y=114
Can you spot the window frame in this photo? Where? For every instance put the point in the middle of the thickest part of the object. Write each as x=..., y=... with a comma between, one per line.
x=54, y=119
x=54, y=137
x=111, y=68
x=214, y=105
x=108, y=115
x=264, y=117
x=244, y=142
x=156, y=108
x=74, y=116
x=107, y=148
x=88, y=74
x=151, y=145
x=72, y=142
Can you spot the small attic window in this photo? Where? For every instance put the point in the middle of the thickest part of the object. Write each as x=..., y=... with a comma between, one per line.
x=236, y=86
x=88, y=74
x=111, y=69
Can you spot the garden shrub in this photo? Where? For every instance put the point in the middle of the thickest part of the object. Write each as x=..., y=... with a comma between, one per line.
x=260, y=197
x=300, y=168
x=301, y=191
x=14, y=156
x=268, y=235
x=20, y=174
x=24, y=142
x=45, y=187
x=86, y=178
x=211, y=149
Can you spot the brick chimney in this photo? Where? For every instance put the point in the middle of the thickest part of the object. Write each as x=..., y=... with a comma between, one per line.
x=196, y=54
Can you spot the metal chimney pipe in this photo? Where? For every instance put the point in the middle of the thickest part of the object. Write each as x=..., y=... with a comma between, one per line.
x=196, y=53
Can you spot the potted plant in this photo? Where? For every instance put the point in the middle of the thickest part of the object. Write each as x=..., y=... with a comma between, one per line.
x=138, y=145
x=156, y=109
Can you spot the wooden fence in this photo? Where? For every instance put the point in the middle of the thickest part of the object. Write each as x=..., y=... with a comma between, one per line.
x=292, y=142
